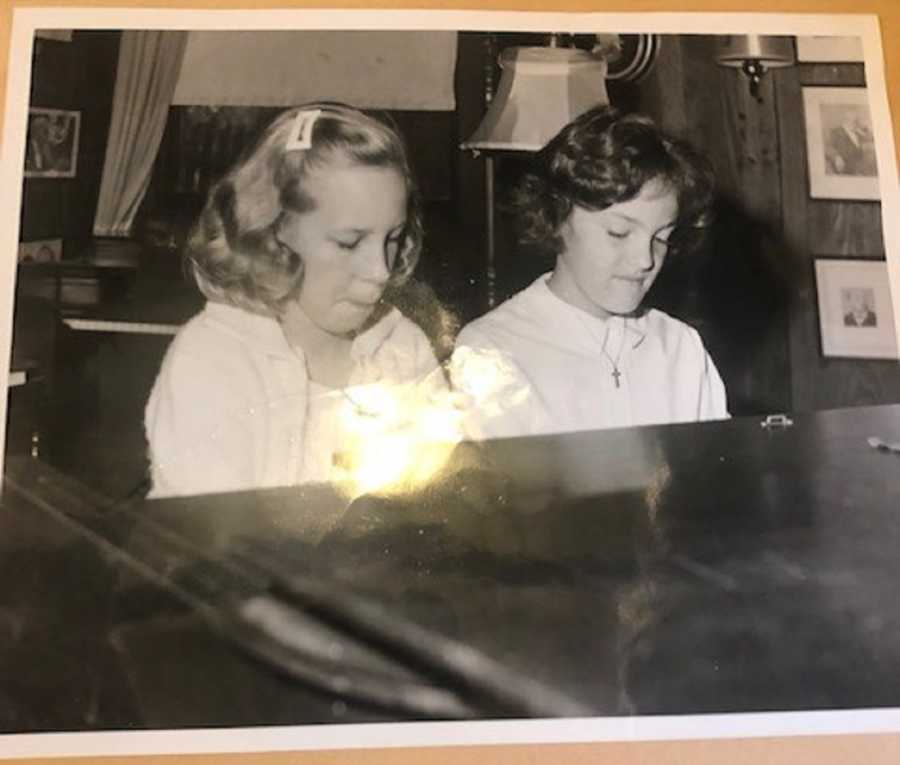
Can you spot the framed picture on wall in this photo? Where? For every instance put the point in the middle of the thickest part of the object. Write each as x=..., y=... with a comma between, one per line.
x=40, y=251
x=830, y=49
x=51, y=149
x=61, y=35
x=855, y=313
x=840, y=146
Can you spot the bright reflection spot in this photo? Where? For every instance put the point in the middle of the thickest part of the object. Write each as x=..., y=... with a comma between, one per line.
x=654, y=496
x=399, y=437
x=396, y=438
x=489, y=380
x=479, y=373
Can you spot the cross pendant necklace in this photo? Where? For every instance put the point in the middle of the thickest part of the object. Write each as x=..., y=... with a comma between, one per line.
x=616, y=373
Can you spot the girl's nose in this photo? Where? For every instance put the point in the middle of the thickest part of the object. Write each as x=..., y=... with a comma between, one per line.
x=373, y=262
x=643, y=253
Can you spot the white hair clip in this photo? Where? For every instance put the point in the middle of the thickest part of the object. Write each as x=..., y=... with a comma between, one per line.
x=300, y=137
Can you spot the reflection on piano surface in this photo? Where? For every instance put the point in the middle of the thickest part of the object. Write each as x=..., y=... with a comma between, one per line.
x=720, y=567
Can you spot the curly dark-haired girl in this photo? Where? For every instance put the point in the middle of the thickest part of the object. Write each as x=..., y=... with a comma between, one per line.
x=610, y=198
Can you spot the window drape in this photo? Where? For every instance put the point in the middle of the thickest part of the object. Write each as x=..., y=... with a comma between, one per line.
x=149, y=65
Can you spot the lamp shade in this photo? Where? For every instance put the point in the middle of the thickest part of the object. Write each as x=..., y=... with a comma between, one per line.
x=772, y=51
x=541, y=90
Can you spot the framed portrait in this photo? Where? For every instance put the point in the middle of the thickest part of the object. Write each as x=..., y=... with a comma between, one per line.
x=840, y=143
x=829, y=49
x=60, y=35
x=51, y=149
x=855, y=313
x=40, y=251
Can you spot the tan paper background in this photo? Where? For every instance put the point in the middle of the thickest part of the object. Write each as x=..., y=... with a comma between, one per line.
x=818, y=750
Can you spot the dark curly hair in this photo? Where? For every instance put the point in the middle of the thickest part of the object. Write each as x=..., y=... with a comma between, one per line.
x=600, y=159
x=234, y=251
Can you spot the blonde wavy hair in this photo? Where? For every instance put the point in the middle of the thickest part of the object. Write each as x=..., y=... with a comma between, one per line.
x=233, y=250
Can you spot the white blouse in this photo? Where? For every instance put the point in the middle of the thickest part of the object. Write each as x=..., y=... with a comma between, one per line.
x=230, y=407
x=537, y=365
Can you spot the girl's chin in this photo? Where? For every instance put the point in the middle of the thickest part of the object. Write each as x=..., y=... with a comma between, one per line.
x=352, y=322
x=619, y=307
x=625, y=305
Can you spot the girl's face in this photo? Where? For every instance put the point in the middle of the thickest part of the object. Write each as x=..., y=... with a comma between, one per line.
x=348, y=242
x=611, y=257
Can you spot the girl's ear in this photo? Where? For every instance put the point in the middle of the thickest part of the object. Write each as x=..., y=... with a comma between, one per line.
x=257, y=201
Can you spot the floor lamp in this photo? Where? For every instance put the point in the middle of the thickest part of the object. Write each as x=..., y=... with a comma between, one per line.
x=541, y=89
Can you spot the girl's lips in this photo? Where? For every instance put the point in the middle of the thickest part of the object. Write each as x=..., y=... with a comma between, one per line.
x=362, y=305
x=633, y=279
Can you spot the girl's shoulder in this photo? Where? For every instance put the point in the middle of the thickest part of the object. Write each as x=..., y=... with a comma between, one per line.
x=219, y=327
x=675, y=335
x=224, y=345
x=525, y=313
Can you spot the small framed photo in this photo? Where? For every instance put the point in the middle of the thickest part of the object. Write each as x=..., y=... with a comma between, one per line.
x=41, y=251
x=61, y=35
x=840, y=145
x=830, y=49
x=51, y=149
x=855, y=312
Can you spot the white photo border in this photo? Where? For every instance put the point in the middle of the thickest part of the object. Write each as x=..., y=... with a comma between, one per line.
x=735, y=725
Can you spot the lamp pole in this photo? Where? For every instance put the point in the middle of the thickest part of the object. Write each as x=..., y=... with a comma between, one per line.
x=490, y=266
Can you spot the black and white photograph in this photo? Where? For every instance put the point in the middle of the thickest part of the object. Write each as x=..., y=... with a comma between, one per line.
x=505, y=371
x=856, y=314
x=40, y=251
x=52, y=143
x=858, y=303
x=840, y=143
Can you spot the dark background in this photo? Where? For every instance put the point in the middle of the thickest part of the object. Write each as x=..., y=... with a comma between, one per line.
x=750, y=292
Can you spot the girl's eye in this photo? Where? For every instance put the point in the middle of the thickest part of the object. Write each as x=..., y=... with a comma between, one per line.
x=618, y=234
x=351, y=244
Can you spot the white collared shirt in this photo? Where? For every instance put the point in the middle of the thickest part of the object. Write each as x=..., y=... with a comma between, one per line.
x=552, y=369
x=229, y=408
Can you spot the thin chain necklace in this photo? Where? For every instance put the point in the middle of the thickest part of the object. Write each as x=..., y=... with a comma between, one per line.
x=361, y=409
x=616, y=373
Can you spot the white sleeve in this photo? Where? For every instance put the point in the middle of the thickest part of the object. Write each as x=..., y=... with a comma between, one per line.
x=500, y=400
x=199, y=428
x=713, y=399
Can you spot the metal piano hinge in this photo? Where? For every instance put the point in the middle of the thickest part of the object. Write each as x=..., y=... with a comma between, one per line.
x=776, y=421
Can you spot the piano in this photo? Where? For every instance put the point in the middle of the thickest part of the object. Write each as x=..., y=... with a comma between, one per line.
x=734, y=566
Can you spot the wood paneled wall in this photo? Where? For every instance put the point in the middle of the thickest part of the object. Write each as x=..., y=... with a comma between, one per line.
x=735, y=292
x=752, y=294
x=816, y=228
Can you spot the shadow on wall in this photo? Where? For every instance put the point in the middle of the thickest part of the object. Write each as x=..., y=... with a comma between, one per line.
x=737, y=291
